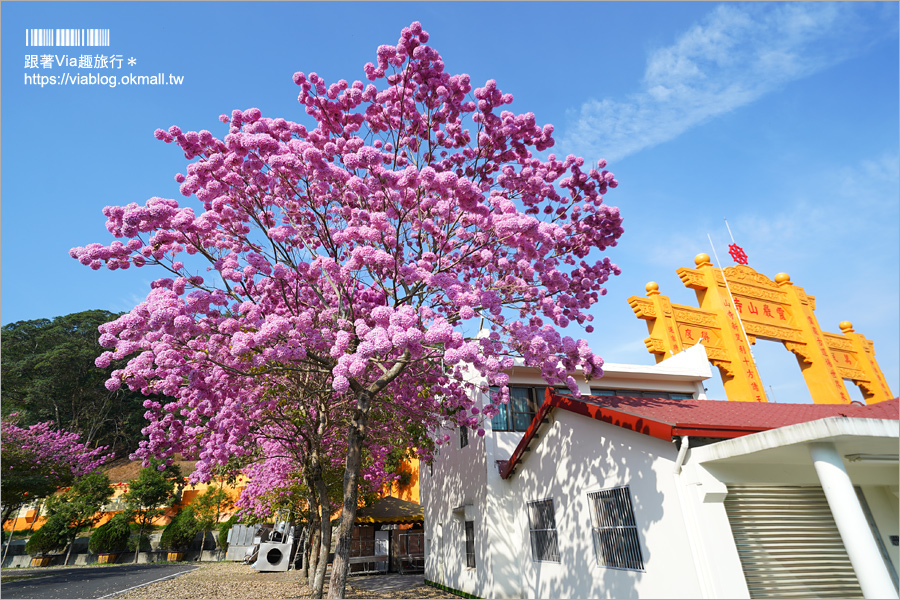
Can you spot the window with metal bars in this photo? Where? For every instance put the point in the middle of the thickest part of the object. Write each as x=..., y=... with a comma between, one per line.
x=542, y=525
x=470, y=544
x=463, y=436
x=616, y=541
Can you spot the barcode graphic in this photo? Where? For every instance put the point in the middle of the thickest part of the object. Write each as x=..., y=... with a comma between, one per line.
x=67, y=37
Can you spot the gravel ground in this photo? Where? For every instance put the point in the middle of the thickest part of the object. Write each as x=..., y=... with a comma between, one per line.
x=228, y=580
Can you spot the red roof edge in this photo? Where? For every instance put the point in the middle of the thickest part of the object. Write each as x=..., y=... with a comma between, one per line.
x=656, y=427
x=507, y=467
x=620, y=418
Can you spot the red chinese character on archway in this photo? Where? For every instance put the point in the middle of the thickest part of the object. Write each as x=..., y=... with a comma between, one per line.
x=738, y=254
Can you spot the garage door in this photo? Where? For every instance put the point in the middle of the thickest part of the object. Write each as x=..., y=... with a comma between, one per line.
x=788, y=543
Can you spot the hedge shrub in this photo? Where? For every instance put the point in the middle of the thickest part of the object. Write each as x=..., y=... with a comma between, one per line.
x=180, y=533
x=52, y=537
x=224, y=528
x=111, y=537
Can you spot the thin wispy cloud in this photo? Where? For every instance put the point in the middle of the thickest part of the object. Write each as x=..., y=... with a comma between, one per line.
x=837, y=202
x=736, y=55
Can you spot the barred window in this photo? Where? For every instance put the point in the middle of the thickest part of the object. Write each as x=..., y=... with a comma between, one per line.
x=616, y=541
x=542, y=523
x=470, y=544
x=463, y=436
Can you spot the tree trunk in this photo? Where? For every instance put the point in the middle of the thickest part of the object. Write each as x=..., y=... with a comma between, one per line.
x=300, y=551
x=315, y=536
x=325, y=546
x=37, y=513
x=202, y=543
x=137, y=547
x=12, y=531
x=71, y=545
x=340, y=568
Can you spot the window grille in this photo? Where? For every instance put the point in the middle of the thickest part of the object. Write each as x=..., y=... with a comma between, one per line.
x=542, y=524
x=470, y=544
x=463, y=436
x=616, y=541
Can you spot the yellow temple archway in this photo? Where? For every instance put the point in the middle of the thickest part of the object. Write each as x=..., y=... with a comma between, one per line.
x=737, y=305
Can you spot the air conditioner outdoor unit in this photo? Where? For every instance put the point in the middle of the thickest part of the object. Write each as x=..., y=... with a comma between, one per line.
x=273, y=557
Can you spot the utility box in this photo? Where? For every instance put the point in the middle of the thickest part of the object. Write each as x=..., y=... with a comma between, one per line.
x=273, y=556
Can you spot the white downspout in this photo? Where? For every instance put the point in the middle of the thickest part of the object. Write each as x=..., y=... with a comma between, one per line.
x=682, y=451
x=690, y=524
x=851, y=522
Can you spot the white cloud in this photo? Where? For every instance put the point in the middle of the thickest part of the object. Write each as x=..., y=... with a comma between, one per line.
x=815, y=213
x=854, y=201
x=737, y=54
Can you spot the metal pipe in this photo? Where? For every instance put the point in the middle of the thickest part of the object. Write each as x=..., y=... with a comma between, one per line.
x=682, y=451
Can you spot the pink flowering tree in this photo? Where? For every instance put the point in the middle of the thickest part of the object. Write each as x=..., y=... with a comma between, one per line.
x=367, y=249
x=301, y=445
x=299, y=442
x=38, y=460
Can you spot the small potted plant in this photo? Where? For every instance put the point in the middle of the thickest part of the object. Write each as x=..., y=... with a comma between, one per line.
x=50, y=538
x=179, y=534
x=110, y=539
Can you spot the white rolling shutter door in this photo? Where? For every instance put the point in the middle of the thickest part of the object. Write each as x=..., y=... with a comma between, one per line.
x=788, y=543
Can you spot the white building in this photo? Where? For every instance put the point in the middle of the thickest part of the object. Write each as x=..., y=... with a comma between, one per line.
x=650, y=490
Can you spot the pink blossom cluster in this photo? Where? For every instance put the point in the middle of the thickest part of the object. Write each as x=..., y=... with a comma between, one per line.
x=358, y=248
x=275, y=480
x=56, y=452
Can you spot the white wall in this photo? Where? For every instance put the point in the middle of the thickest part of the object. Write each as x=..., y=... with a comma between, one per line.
x=574, y=456
x=457, y=482
x=578, y=461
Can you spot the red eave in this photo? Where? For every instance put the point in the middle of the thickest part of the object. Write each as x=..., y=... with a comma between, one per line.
x=705, y=418
x=507, y=467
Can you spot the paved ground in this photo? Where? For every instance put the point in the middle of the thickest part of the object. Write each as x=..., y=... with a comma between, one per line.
x=390, y=582
x=211, y=580
x=85, y=582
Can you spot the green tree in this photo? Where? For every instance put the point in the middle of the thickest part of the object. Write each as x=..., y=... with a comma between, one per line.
x=149, y=494
x=224, y=528
x=208, y=508
x=180, y=533
x=49, y=374
x=112, y=536
x=79, y=506
x=51, y=537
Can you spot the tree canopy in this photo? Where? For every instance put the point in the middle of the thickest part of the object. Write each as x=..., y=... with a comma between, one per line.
x=79, y=506
x=409, y=238
x=39, y=459
x=149, y=494
x=49, y=374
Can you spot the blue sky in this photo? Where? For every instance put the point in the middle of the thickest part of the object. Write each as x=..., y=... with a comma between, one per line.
x=781, y=117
